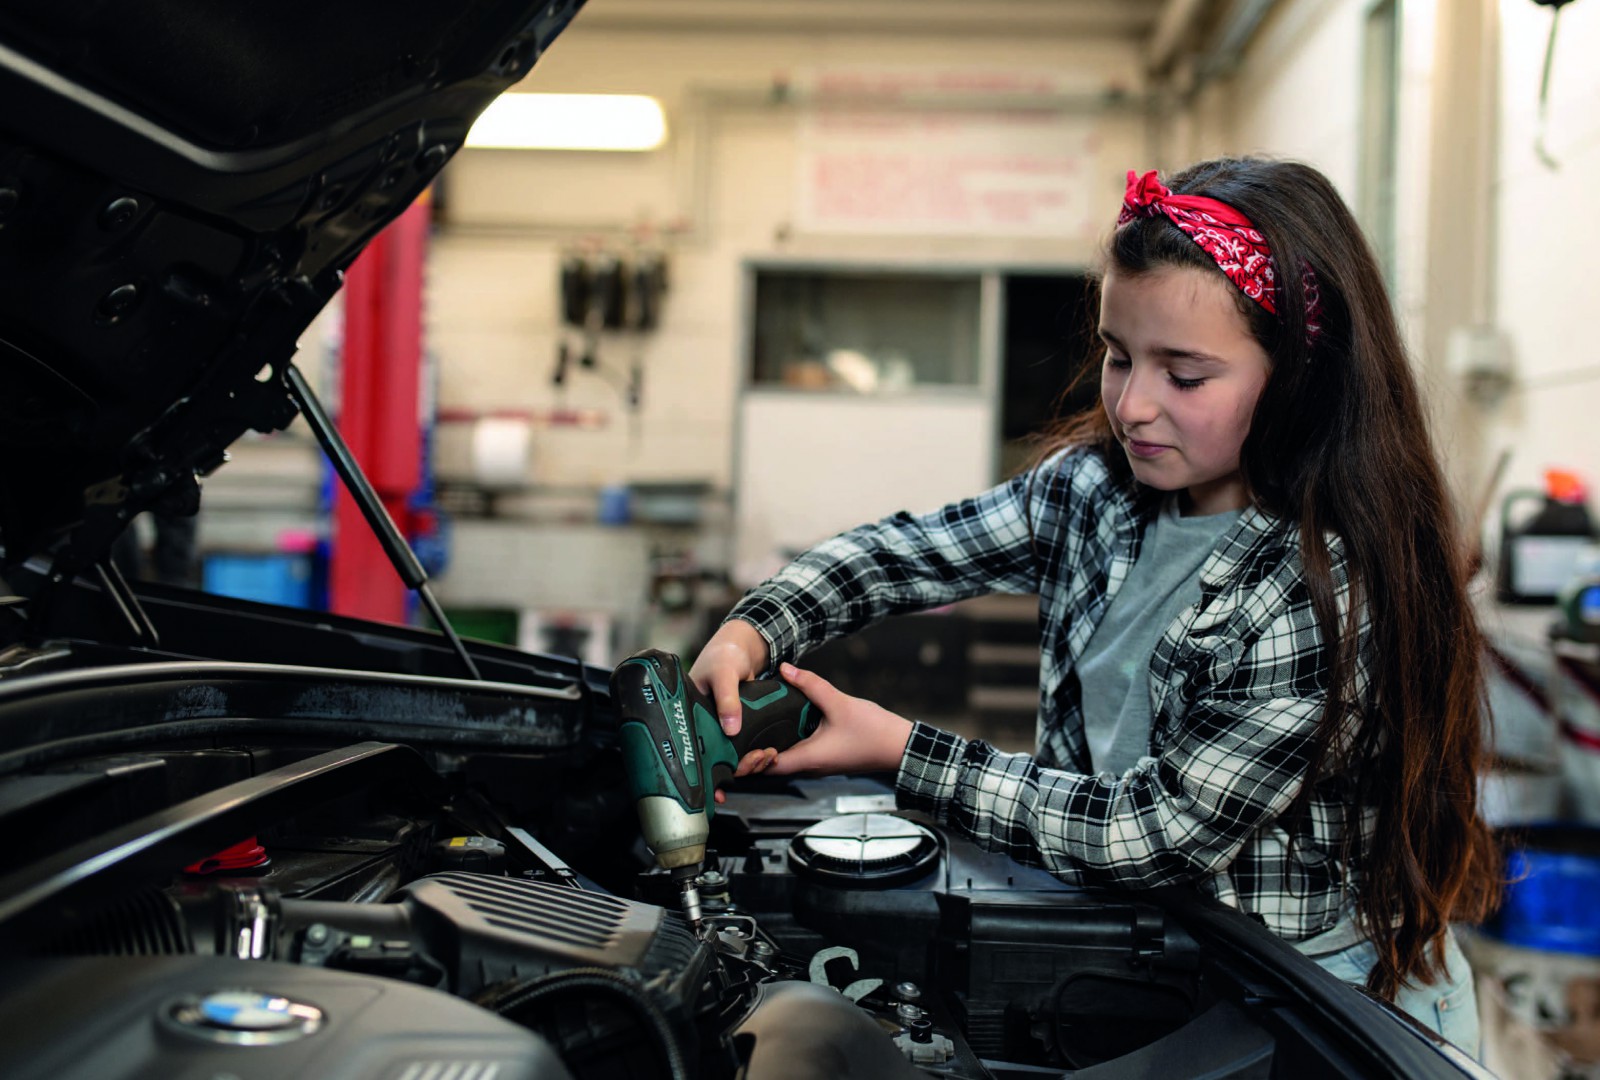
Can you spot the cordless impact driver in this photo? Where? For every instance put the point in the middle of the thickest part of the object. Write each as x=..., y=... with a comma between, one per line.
x=675, y=753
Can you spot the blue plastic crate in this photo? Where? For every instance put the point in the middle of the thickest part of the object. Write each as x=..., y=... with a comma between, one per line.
x=1553, y=900
x=270, y=578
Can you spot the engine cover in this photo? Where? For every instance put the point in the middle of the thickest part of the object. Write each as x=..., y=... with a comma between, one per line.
x=114, y=1017
x=487, y=930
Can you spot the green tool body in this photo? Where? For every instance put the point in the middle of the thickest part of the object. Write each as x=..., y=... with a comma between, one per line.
x=675, y=753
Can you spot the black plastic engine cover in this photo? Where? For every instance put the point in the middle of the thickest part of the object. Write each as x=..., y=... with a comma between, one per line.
x=1030, y=968
x=486, y=930
x=1090, y=976
x=109, y=1018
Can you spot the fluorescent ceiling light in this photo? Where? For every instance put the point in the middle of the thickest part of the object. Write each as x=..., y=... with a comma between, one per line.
x=570, y=122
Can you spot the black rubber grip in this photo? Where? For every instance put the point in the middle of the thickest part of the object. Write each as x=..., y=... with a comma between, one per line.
x=776, y=715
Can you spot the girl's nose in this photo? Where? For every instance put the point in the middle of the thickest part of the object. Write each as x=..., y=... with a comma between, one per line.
x=1136, y=405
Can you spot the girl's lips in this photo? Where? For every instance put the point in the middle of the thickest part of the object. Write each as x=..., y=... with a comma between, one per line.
x=1144, y=449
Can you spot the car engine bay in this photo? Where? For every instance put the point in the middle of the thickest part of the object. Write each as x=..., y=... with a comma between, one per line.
x=839, y=939
x=338, y=858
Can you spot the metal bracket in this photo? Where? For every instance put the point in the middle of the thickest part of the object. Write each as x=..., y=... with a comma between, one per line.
x=819, y=972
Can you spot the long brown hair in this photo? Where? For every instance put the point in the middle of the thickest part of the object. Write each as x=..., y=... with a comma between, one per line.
x=1339, y=443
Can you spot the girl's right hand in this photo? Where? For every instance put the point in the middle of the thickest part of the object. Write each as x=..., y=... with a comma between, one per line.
x=736, y=653
x=855, y=735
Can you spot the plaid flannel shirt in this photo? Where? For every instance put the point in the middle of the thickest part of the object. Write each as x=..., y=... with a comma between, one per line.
x=1237, y=690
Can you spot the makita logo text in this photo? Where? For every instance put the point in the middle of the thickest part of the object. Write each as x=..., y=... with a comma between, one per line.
x=683, y=732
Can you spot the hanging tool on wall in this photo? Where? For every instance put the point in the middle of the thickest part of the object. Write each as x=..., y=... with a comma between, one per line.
x=1544, y=81
x=647, y=284
x=602, y=291
x=593, y=299
x=575, y=289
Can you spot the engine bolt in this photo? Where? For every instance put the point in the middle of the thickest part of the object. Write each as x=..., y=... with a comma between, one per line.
x=117, y=303
x=907, y=991
x=316, y=934
x=118, y=213
x=433, y=158
x=762, y=951
x=907, y=1012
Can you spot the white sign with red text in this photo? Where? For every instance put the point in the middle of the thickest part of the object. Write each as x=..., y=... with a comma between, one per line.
x=944, y=153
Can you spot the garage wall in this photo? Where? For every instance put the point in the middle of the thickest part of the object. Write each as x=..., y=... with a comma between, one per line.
x=727, y=179
x=1297, y=93
x=1546, y=244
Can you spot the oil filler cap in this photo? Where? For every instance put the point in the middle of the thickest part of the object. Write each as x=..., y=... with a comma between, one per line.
x=871, y=850
x=245, y=1017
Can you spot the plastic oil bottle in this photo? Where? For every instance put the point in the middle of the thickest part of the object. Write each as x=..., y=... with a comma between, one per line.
x=1542, y=553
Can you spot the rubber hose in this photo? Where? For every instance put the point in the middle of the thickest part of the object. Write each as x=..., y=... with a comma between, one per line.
x=529, y=993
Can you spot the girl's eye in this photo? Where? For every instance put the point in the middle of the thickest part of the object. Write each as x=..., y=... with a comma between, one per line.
x=1122, y=363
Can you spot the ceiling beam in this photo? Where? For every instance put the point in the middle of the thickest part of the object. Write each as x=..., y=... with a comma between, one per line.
x=1099, y=18
x=1173, y=28
x=1237, y=26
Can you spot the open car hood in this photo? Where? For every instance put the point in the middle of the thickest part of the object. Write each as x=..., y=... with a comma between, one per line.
x=181, y=188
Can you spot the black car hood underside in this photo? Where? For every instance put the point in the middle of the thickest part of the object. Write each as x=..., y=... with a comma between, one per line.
x=181, y=188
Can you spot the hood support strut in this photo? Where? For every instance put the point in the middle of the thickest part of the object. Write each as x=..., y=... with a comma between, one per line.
x=116, y=587
x=394, y=545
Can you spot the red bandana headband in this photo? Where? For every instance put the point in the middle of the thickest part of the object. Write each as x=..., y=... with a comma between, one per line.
x=1236, y=246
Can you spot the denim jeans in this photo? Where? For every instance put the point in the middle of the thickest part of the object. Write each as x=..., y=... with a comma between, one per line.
x=1449, y=1006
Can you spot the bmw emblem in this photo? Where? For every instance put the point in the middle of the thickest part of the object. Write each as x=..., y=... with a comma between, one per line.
x=245, y=1017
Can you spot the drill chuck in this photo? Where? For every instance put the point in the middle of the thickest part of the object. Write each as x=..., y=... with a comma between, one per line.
x=676, y=836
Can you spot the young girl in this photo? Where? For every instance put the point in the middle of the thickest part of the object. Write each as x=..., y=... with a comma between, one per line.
x=1259, y=667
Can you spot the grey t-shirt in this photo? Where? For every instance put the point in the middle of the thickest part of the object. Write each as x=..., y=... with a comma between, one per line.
x=1114, y=669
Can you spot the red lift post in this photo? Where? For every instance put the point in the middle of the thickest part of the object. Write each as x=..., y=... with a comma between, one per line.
x=380, y=375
